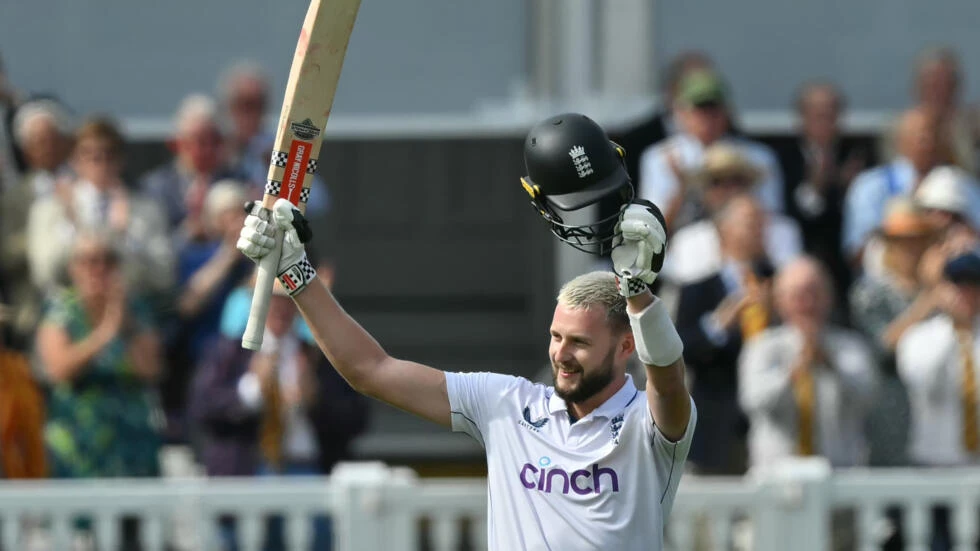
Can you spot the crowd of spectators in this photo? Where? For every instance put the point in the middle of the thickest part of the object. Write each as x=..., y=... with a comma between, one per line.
x=123, y=302
x=826, y=287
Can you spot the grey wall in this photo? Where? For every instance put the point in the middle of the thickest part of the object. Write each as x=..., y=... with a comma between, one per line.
x=766, y=47
x=139, y=58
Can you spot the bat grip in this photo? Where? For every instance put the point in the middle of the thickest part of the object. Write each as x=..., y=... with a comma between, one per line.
x=265, y=278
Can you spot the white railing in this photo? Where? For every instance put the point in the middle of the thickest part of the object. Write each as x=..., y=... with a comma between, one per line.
x=375, y=507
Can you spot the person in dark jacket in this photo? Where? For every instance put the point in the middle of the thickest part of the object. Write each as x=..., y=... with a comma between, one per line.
x=282, y=410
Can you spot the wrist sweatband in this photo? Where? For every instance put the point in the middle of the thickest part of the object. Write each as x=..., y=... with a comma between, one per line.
x=657, y=341
x=631, y=286
x=295, y=278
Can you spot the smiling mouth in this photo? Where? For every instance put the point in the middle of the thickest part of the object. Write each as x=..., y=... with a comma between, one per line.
x=567, y=374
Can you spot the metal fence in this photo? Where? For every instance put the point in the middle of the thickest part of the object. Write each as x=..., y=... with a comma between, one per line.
x=374, y=507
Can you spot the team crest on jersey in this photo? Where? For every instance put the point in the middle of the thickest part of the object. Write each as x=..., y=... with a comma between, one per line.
x=615, y=426
x=535, y=424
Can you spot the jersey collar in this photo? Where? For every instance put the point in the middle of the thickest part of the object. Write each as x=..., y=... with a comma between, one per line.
x=615, y=404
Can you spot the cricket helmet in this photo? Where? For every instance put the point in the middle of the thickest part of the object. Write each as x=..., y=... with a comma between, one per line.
x=571, y=164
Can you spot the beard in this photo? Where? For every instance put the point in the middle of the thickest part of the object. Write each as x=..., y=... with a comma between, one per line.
x=589, y=384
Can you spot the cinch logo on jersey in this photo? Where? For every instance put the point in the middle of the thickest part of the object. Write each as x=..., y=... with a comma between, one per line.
x=582, y=482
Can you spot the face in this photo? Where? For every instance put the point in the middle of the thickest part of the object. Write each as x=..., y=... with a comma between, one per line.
x=707, y=123
x=719, y=189
x=95, y=161
x=819, y=115
x=282, y=312
x=246, y=105
x=802, y=295
x=229, y=223
x=45, y=146
x=743, y=229
x=938, y=85
x=92, y=267
x=919, y=139
x=586, y=354
x=200, y=146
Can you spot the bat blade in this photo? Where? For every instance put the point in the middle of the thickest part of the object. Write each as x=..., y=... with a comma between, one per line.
x=306, y=106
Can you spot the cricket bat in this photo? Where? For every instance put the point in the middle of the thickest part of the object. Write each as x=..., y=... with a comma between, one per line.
x=306, y=106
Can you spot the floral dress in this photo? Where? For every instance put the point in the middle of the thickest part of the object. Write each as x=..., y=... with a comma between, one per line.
x=104, y=423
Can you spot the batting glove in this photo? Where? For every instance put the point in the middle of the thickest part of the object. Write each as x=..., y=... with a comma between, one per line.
x=639, y=247
x=258, y=238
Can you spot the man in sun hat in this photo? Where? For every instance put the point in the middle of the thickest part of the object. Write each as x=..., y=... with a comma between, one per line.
x=695, y=251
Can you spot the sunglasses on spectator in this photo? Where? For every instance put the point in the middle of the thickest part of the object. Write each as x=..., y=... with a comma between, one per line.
x=708, y=105
x=97, y=154
x=728, y=182
x=248, y=103
x=96, y=259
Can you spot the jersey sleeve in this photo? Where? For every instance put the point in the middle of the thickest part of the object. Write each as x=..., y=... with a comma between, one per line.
x=669, y=457
x=472, y=400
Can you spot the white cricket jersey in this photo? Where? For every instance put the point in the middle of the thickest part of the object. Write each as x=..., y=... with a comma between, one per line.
x=606, y=482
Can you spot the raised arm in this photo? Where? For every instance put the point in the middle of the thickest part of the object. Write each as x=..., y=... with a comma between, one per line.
x=354, y=353
x=638, y=257
x=359, y=359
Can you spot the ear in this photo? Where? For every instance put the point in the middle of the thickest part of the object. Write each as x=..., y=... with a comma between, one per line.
x=627, y=344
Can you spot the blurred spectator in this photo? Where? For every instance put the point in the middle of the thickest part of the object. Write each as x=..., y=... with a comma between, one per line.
x=207, y=271
x=43, y=131
x=918, y=153
x=200, y=159
x=244, y=94
x=715, y=316
x=22, y=452
x=282, y=410
x=662, y=122
x=703, y=111
x=98, y=199
x=937, y=88
x=885, y=304
x=694, y=251
x=938, y=359
x=818, y=166
x=101, y=355
x=806, y=384
x=9, y=99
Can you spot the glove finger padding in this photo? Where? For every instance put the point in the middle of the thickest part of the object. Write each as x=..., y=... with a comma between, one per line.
x=639, y=246
x=287, y=216
x=257, y=237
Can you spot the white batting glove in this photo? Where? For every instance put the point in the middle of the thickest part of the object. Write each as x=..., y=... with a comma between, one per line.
x=639, y=247
x=257, y=239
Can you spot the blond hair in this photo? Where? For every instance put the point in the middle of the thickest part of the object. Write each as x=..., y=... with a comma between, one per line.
x=597, y=289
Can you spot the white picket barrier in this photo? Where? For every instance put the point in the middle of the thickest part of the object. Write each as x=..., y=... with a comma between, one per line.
x=376, y=507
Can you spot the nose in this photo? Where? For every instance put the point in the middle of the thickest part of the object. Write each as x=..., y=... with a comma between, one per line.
x=561, y=351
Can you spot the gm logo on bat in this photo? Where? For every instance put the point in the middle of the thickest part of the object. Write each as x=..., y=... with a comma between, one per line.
x=305, y=130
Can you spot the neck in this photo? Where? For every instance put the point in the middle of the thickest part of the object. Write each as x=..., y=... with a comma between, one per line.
x=581, y=409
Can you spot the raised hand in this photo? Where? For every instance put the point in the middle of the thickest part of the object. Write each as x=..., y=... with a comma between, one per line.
x=639, y=246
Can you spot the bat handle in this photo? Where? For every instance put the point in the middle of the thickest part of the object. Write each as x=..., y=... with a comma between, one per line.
x=265, y=278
